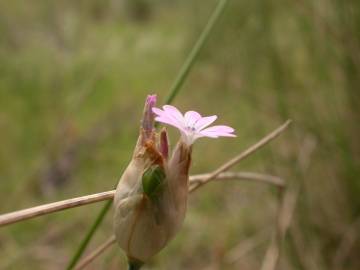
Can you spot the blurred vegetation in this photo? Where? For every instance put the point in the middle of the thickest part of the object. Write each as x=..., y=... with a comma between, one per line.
x=73, y=78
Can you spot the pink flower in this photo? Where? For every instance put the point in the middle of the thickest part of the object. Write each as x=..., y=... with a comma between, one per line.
x=191, y=125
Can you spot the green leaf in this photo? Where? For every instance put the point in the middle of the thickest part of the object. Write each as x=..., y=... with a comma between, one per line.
x=152, y=180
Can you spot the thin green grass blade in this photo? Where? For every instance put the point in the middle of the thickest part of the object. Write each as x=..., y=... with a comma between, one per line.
x=194, y=53
x=173, y=92
x=89, y=235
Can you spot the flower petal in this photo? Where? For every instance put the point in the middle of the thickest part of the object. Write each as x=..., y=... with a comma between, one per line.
x=191, y=117
x=191, y=125
x=166, y=117
x=220, y=128
x=173, y=112
x=218, y=131
x=166, y=120
x=204, y=122
x=217, y=135
x=158, y=111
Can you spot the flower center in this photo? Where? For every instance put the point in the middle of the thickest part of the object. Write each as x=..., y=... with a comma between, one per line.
x=191, y=128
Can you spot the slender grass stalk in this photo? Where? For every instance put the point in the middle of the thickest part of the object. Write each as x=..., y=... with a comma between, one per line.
x=173, y=92
x=134, y=265
x=89, y=235
x=194, y=53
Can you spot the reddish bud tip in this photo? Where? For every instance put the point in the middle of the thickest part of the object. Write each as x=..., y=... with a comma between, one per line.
x=148, y=116
x=164, y=144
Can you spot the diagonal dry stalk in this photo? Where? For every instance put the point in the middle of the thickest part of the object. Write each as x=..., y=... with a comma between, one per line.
x=245, y=246
x=286, y=205
x=271, y=136
x=97, y=252
x=45, y=209
x=347, y=242
x=251, y=176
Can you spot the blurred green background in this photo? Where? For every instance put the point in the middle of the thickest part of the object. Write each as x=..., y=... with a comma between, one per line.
x=73, y=79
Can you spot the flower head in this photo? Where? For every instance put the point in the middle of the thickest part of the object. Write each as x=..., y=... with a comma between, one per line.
x=151, y=197
x=192, y=125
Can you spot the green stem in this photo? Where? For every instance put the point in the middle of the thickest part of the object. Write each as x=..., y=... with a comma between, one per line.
x=89, y=235
x=194, y=53
x=134, y=265
x=173, y=92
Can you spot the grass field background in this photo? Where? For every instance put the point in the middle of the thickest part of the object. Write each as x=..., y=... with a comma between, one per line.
x=73, y=79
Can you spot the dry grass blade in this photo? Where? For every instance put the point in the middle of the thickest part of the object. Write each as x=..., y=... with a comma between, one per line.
x=346, y=244
x=54, y=207
x=245, y=246
x=271, y=136
x=249, y=176
x=93, y=255
x=287, y=202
